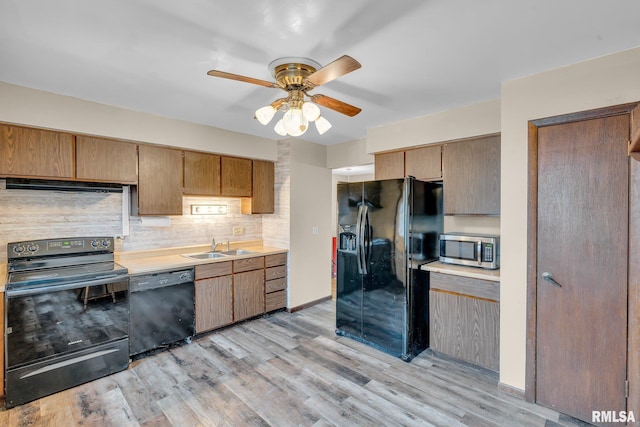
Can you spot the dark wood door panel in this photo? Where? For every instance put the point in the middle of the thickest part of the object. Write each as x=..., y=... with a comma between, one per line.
x=583, y=175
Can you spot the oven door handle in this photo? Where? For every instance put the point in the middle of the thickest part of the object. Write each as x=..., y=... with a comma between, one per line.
x=66, y=286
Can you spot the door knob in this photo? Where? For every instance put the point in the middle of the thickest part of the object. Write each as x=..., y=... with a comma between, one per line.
x=549, y=278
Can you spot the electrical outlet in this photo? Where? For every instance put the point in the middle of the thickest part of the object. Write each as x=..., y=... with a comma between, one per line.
x=315, y=230
x=238, y=231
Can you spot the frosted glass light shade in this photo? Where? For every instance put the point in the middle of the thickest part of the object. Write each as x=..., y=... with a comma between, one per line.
x=310, y=111
x=265, y=114
x=279, y=128
x=295, y=123
x=322, y=125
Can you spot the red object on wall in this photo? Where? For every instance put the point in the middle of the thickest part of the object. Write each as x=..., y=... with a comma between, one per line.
x=334, y=258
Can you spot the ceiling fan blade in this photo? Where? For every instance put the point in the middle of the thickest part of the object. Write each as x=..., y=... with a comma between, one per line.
x=231, y=76
x=341, y=66
x=334, y=104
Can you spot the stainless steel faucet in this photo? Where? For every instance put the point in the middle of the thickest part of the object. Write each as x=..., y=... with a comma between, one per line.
x=214, y=245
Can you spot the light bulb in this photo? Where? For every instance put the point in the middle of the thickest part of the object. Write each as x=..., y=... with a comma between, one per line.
x=310, y=111
x=265, y=114
x=322, y=125
x=279, y=128
x=295, y=123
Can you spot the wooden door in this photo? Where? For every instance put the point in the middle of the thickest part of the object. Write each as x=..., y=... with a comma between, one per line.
x=235, y=177
x=159, y=181
x=106, y=160
x=582, y=243
x=248, y=294
x=201, y=174
x=35, y=153
x=389, y=165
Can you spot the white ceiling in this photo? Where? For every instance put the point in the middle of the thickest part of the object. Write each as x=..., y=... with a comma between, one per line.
x=417, y=56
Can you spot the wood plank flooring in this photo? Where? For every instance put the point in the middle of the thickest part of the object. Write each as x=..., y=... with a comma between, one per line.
x=286, y=370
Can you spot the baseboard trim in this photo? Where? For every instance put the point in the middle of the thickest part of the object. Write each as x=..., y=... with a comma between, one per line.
x=511, y=390
x=309, y=304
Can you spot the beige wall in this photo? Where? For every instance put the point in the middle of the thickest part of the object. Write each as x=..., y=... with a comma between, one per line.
x=310, y=256
x=473, y=120
x=605, y=81
x=21, y=105
x=352, y=153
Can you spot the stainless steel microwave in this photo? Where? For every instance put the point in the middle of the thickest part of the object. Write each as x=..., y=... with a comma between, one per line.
x=473, y=250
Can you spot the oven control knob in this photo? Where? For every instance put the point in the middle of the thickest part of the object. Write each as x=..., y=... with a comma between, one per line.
x=18, y=249
x=105, y=243
x=94, y=243
x=33, y=248
x=184, y=276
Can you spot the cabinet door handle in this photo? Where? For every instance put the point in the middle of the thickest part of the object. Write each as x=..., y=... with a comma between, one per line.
x=549, y=278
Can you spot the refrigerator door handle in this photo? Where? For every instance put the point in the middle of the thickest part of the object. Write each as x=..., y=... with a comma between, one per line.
x=366, y=239
x=359, y=241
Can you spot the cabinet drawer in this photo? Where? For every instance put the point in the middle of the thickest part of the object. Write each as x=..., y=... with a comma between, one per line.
x=248, y=264
x=275, y=300
x=275, y=272
x=276, y=285
x=215, y=269
x=273, y=260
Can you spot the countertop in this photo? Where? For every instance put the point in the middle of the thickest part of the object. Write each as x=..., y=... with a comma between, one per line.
x=154, y=260
x=459, y=270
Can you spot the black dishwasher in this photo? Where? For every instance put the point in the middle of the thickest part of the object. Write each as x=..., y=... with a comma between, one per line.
x=161, y=309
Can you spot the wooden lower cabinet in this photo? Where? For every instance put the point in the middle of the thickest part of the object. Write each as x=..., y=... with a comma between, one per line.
x=275, y=274
x=214, y=296
x=248, y=294
x=465, y=319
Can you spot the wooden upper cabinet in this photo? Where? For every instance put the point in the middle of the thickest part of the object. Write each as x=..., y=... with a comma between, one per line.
x=235, y=177
x=389, y=165
x=262, y=199
x=106, y=160
x=471, y=176
x=159, y=189
x=27, y=152
x=201, y=174
x=424, y=163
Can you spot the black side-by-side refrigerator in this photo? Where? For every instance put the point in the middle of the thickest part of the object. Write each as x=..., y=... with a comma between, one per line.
x=386, y=229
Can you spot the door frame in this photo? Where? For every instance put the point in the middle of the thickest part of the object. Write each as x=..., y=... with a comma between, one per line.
x=633, y=265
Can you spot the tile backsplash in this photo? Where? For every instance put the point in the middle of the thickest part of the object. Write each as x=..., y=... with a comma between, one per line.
x=42, y=214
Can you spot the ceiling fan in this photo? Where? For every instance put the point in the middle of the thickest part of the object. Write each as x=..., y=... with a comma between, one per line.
x=297, y=76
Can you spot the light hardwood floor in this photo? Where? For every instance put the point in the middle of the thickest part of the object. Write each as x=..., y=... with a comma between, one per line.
x=285, y=370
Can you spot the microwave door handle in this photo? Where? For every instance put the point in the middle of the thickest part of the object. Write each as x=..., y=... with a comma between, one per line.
x=479, y=252
x=359, y=239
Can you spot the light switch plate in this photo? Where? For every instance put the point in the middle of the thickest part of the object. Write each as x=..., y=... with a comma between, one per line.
x=315, y=230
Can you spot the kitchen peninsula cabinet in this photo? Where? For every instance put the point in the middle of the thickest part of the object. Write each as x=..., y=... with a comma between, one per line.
x=201, y=174
x=160, y=177
x=471, y=176
x=106, y=160
x=389, y=165
x=262, y=196
x=35, y=153
x=275, y=275
x=465, y=319
x=213, y=295
x=235, y=177
x=248, y=288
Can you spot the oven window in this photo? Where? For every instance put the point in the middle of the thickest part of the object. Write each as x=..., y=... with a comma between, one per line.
x=59, y=322
x=460, y=250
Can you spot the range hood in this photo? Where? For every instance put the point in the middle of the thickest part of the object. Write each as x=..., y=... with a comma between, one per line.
x=53, y=185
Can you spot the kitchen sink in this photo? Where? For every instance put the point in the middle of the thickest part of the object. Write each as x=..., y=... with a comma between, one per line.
x=238, y=252
x=205, y=255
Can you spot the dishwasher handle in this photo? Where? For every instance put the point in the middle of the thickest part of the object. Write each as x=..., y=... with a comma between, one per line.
x=146, y=282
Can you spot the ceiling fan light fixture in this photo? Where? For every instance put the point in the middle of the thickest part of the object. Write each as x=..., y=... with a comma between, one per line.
x=294, y=121
x=265, y=114
x=310, y=111
x=322, y=125
x=279, y=128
